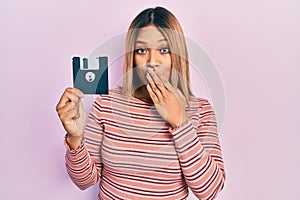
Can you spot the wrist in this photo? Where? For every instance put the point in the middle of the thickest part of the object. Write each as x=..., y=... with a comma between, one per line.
x=179, y=123
x=183, y=126
x=74, y=136
x=74, y=141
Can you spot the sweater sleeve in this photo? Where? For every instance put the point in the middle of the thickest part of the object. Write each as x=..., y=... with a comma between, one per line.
x=199, y=152
x=84, y=164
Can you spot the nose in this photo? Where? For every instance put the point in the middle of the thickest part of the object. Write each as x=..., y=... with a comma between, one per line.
x=153, y=59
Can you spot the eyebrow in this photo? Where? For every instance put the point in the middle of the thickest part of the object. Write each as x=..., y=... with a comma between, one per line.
x=143, y=42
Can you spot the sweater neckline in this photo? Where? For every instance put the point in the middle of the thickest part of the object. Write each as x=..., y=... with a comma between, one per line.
x=141, y=101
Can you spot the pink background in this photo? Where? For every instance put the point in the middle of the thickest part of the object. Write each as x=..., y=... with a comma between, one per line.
x=255, y=46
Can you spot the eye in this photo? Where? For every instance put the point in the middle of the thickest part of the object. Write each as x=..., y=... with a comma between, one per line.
x=141, y=51
x=165, y=50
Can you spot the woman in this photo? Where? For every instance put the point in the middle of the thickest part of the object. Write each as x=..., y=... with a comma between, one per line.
x=150, y=138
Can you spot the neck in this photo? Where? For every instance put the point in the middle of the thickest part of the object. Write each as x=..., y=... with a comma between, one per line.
x=142, y=94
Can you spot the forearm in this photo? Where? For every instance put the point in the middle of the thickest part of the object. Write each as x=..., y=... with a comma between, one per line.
x=73, y=141
x=81, y=167
x=203, y=171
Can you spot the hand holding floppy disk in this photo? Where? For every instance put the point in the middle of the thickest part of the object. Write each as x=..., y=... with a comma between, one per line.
x=90, y=74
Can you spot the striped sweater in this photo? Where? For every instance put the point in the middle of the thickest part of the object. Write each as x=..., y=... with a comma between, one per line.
x=134, y=154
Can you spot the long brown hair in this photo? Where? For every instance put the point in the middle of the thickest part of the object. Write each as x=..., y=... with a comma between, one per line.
x=170, y=27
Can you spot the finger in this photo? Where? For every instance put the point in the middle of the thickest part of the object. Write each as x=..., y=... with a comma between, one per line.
x=74, y=94
x=168, y=86
x=68, y=117
x=162, y=82
x=68, y=107
x=161, y=75
x=154, y=87
x=76, y=91
x=69, y=95
x=154, y=76
x=158, y=82
x=152, y=94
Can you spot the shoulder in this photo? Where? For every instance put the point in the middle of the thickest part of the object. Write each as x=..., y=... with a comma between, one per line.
x=113, y=93
x=201, y=103
x=203, y=111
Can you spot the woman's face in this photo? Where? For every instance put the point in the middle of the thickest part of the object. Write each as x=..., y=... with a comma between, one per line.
x=152, y=51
